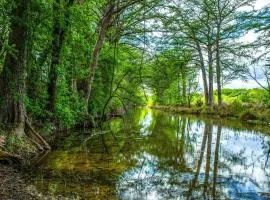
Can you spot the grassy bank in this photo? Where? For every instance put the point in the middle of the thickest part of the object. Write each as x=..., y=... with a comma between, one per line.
x=256, y=114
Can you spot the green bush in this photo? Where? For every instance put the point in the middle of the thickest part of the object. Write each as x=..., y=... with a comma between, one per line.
x=236, y=106
x=199, y=102
x=247, y=115
x=266, y=100
x=19, y=145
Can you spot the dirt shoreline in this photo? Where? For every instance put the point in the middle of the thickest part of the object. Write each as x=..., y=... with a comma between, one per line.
x=13, y=186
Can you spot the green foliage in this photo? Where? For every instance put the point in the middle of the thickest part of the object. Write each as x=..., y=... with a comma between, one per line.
x=236, y=106
x=113, y=87
x=266, y=100
x=199, y=102
x=172, y=84
x=19, y=145
x=248, y=96
x=128, y=69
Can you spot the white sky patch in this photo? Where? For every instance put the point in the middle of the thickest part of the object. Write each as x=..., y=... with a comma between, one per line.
x=236, y=84
x=249, y=37
x=239, y=84
x=258, y=5
x=261, y=3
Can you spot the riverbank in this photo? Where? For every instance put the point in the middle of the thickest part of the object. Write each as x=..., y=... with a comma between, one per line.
x=110, y=166
x=245, y=113
x=14, y=153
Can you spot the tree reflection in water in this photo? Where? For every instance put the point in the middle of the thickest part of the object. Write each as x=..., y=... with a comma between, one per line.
x=154, y=155
x=204, y=161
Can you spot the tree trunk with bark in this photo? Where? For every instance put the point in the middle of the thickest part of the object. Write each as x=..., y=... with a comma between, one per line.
x=184, y=85
x=59, y=33
x=204, y=74
x=210, y=76
x=104, y=26
x=13, y=76
x=218, y=68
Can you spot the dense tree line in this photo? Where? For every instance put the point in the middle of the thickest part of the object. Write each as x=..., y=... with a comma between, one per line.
x=65, y=61
x=210, y=31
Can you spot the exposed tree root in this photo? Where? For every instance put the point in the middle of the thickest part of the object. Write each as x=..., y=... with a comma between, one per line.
x=36, y=144
x=39, y=157
x=10, y=158
x=35, y=138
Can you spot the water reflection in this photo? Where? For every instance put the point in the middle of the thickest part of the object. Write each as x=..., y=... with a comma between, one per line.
x=153, y=155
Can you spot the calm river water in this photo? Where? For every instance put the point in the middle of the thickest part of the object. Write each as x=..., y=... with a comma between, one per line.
x=154, y=155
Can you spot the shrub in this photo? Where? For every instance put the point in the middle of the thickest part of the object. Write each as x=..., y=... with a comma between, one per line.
x=199, y=102
x=247, y=115
x=266, y=100
x=236, y=106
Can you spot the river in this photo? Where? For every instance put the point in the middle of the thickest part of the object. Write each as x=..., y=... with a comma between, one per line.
x=153, y=155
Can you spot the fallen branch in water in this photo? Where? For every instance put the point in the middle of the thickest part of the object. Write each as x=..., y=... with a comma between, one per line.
x=96, y=134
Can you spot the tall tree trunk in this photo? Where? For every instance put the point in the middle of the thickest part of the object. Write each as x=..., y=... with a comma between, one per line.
x=204, y=75
x=104, y=26
x=218, y=68
x=210, y=75
x=13, y=76
x=59, y=32
x=184, y=85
